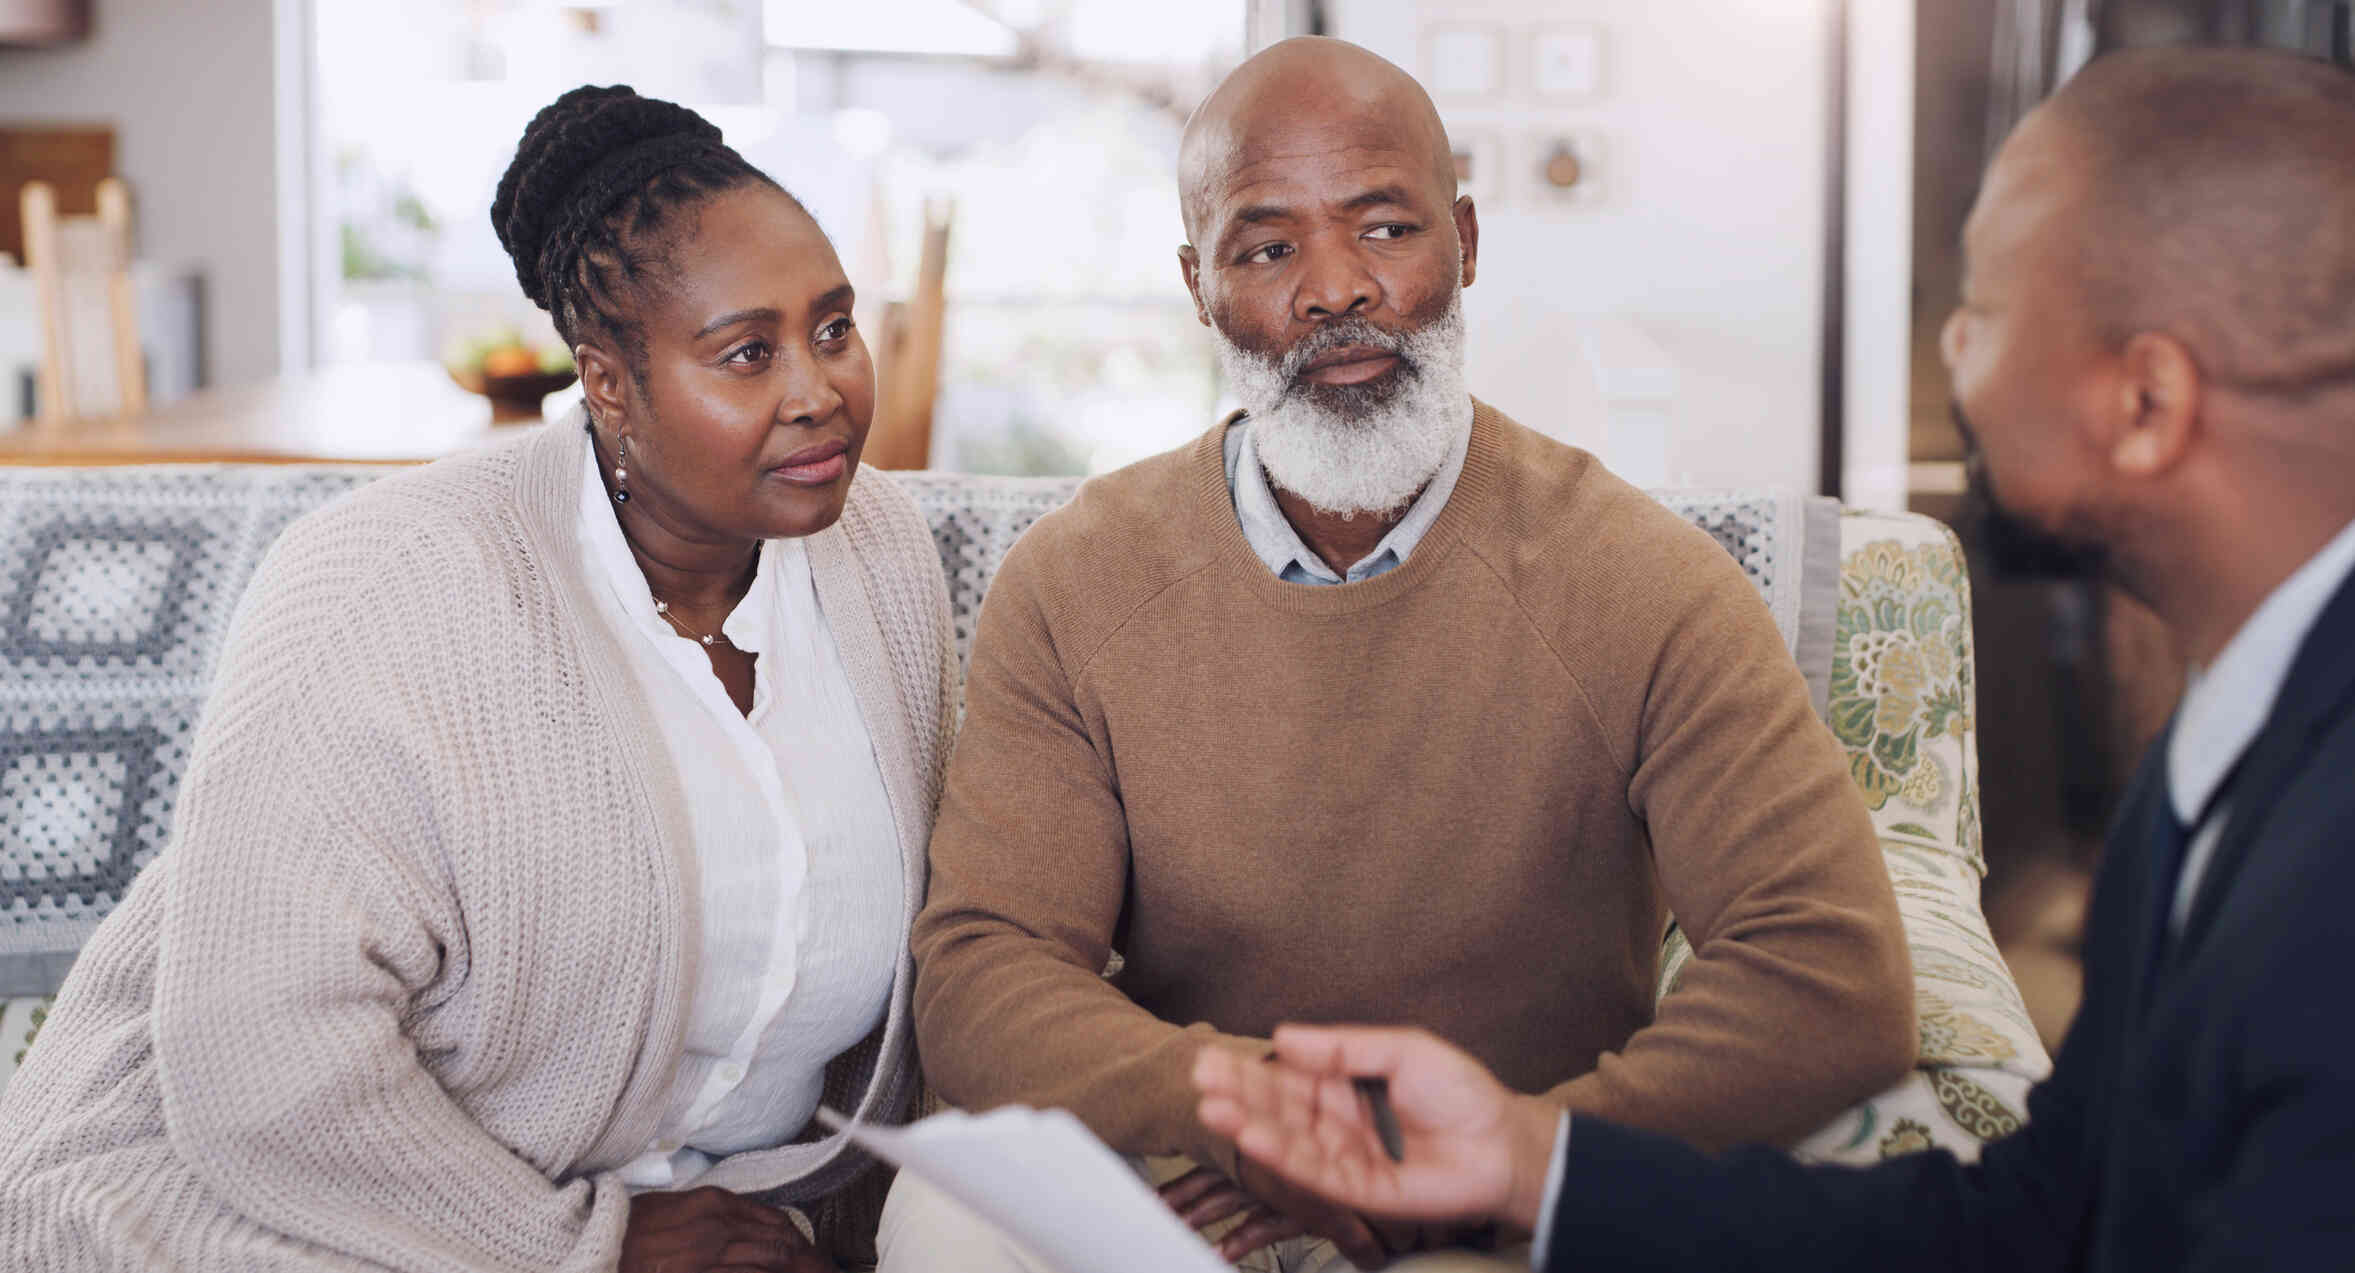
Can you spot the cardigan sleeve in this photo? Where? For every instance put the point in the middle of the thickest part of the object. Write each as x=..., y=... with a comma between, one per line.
x=303, y=921
x=911, y=596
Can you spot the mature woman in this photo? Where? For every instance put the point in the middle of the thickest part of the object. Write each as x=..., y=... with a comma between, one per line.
x=548, y=849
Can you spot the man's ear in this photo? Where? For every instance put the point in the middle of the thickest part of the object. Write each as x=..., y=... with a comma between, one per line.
x=1467, y=220
x=604, y=385
x=2162, y=413
x=1190, y=265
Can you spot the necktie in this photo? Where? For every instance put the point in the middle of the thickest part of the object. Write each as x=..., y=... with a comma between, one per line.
x=2168, y=839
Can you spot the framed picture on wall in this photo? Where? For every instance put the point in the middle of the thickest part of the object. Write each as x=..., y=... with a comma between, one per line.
x=1463, y=62
x=1479, y=161
x=1565, y=63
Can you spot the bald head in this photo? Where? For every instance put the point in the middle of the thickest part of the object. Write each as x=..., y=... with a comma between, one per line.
x=2214, y=199
x=1295, y=96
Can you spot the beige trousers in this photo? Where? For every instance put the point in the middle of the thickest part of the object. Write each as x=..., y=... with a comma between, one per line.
x=926, y=1231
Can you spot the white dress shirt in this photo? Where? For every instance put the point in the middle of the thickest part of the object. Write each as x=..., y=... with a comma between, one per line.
x=798, y=874
x=2227, y=703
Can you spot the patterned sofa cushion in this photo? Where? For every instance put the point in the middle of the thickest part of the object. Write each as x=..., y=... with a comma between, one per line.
x=116, y=586
x=974, y=521
x=1904, y=705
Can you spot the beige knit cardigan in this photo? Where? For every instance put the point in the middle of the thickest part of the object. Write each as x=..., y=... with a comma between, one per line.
x=409, y=981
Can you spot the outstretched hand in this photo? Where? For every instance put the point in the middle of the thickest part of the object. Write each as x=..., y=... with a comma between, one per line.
x=1474, y=1150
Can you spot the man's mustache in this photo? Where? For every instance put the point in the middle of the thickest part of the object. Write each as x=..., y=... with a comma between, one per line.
x=1340, y=333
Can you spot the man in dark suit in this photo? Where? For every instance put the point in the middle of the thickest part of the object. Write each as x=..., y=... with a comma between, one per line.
x=2155, y=359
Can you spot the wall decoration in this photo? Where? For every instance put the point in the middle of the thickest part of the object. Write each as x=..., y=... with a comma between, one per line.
x=1564, y=168
x=1566, y=63
x=1463, y=62
x=1479, y=164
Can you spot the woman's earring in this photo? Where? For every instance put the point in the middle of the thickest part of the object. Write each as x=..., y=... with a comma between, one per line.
x=621, y=472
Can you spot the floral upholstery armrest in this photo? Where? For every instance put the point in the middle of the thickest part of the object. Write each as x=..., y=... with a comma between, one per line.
x=20, y=1022
x=1903, y=705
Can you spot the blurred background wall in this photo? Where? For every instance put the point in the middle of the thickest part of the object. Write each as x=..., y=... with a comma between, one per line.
x=1707, y=127
x=189, y=87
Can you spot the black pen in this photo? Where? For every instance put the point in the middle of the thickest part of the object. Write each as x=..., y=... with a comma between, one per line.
x=1376, y=1092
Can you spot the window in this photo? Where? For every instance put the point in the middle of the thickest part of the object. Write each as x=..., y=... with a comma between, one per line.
x=1050, y=127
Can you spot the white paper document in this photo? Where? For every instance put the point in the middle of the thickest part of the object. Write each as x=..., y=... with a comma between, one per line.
x=1048, y=1184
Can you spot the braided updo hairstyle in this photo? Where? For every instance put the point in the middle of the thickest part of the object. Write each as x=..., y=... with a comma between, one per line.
x=581, y=209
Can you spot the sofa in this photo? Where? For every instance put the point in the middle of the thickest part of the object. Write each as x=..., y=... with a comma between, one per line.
x=117, y=585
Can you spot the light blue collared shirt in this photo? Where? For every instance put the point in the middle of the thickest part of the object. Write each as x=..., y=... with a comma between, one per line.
x=1280, y=546
x=2227, y=703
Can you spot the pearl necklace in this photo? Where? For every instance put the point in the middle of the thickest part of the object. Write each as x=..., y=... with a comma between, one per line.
x=663, y=608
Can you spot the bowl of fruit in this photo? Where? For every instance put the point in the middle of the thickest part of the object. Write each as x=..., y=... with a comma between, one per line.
x=514, y=374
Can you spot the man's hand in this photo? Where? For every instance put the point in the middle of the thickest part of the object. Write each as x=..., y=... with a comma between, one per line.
x=1474, y=1150
x=1272, y=1210
x=715, y=1230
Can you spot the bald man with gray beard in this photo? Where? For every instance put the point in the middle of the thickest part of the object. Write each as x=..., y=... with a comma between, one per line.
x=1372, y=703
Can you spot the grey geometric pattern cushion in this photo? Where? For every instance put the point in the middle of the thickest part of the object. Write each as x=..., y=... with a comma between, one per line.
x=1789, y=545
x=974, y=521
x=116, y=586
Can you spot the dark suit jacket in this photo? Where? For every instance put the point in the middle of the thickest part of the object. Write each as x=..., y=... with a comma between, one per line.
x=2200, y=1115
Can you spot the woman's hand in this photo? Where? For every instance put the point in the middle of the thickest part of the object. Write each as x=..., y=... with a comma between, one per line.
x=714, y=1231
x=1474, y=1150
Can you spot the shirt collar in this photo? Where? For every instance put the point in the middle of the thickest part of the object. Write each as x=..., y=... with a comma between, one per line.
x=747, y=626
x=2228, y=701
x=1280, y=548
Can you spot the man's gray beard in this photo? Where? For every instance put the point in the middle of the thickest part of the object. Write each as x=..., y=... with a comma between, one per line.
x=1350, y=449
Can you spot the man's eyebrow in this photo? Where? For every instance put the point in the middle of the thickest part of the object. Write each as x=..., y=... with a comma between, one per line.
x=765, y=313
x=1377, y=197
x=839, y=296
x=1260, y=214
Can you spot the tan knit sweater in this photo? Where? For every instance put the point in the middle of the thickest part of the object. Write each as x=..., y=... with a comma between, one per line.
x=409, y=980
x=1466, y=794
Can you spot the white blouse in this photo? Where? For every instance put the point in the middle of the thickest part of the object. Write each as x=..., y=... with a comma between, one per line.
x=799, y=872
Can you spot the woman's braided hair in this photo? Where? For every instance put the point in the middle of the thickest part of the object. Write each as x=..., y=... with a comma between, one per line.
x=581, y=207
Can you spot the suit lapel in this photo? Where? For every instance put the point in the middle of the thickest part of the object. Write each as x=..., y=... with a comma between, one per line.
x=2314, y=697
